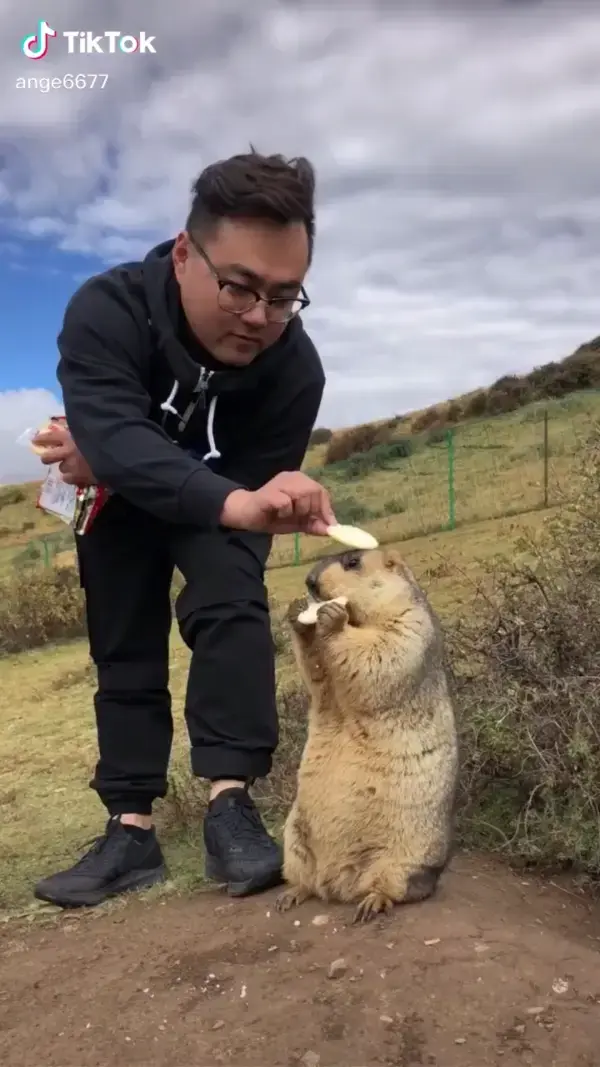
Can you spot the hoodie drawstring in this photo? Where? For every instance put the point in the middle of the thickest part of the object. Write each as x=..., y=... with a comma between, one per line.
x=167, y=406
x=213, y=452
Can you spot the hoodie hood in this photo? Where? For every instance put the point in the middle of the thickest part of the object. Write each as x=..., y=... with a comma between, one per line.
x=192, y=364
x=196, y=374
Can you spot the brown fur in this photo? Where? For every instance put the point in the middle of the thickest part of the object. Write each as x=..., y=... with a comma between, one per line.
x=372, y=820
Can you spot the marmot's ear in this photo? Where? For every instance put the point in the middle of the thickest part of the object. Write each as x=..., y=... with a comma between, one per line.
x=392, y=560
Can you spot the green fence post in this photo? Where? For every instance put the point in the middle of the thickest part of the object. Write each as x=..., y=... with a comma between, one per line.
x=451, y=491
x=546, y=457
x=296, y=549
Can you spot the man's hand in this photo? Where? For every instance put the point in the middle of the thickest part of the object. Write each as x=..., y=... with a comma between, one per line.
x=290, y=503
x=59, y=447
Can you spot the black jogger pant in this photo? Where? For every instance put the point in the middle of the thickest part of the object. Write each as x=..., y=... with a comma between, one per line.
x=126, y=564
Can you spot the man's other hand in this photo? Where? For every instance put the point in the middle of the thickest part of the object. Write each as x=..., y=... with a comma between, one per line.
x=59, y=447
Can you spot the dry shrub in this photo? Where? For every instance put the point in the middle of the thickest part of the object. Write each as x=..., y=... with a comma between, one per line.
x=358, y=439
x=527, y=674
x=184, y=807
x=321, y=435
x=38, y=605
x=426, y=419
x=276, y=792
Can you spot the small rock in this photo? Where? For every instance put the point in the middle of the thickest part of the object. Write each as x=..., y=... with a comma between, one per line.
x=296, y=922
x=433, y=941
x=311, y=1059
x=535, y=1011
x=460, y=1040
x=559, y=985
x=320, y=920
x=243, y=993
x=387, y=1019
x=337, y=969
x=218, y=1025
x=273, y=948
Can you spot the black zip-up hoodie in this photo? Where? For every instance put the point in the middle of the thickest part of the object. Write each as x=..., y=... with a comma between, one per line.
x=131, y=371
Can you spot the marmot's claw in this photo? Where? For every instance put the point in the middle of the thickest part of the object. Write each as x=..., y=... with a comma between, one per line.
x=373, y=904
x=331, y=617
x=294, y=610
x=291, y=898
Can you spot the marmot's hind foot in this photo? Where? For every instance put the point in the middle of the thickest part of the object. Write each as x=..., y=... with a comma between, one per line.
x=372, y=905
x=292, y=897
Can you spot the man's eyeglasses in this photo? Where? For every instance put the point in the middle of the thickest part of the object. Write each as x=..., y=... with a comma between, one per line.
x=238, y=299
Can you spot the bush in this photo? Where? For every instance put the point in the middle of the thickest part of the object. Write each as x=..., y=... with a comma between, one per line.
x=508, y=394
x=454, y=412
x=11, y=494
x=394, y=506
x=39, y=605
x=276, y=793
x=349, y=509
x=476, y=405
x=429, y=417
x=438, y=436
x=320, y=436
x=377, y=458
x=347, y=443
x=528, y=688
x=357, y=440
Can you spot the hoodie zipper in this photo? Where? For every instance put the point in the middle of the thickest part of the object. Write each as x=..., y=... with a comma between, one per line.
x=199, y=398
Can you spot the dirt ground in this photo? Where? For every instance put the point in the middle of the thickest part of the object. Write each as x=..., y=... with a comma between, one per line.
x=496, y=970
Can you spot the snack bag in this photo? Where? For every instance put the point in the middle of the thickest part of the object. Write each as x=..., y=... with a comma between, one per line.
x=77, y=506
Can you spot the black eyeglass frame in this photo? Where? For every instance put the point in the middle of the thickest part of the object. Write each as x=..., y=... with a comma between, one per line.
x=255, y=296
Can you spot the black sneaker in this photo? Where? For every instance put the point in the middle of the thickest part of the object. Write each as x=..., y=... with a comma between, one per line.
x=117, y=863
x=239, y=851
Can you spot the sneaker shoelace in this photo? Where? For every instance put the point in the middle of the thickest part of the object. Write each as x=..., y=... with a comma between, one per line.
x=96, y=845
x=243, y=822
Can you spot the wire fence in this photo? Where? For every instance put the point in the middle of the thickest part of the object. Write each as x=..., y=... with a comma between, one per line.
x=438, y=480
x=445, y=478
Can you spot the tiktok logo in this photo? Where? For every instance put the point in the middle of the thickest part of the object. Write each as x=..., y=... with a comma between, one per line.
x=36, y=45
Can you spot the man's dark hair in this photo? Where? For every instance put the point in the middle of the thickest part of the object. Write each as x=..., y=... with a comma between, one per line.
x=254, y=186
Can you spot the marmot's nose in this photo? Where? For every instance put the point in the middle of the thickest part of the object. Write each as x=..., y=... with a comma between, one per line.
x=312, y=585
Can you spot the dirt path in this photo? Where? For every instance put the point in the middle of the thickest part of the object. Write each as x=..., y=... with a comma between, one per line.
x=495, y=971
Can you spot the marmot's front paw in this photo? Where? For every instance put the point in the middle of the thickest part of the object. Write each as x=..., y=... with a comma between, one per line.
x=295, y=609
x=331, y=618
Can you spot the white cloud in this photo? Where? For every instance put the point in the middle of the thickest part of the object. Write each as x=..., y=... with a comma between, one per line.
x=457, y=151
x=20, y=410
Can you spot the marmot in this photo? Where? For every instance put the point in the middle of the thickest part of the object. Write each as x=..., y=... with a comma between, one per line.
x=372, y=820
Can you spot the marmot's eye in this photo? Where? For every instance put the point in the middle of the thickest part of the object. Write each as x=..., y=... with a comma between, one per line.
x=351, y=562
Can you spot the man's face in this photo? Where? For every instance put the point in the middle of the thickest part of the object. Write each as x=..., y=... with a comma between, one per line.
x=269, y=259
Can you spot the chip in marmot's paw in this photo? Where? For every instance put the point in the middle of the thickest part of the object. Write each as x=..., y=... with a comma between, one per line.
x=309, y=616
x=352, y=536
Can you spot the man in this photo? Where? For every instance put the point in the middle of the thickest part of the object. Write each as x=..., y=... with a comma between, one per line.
x=191, y=390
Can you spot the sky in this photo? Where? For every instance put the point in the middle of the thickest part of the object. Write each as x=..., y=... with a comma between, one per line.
x=457, y=150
